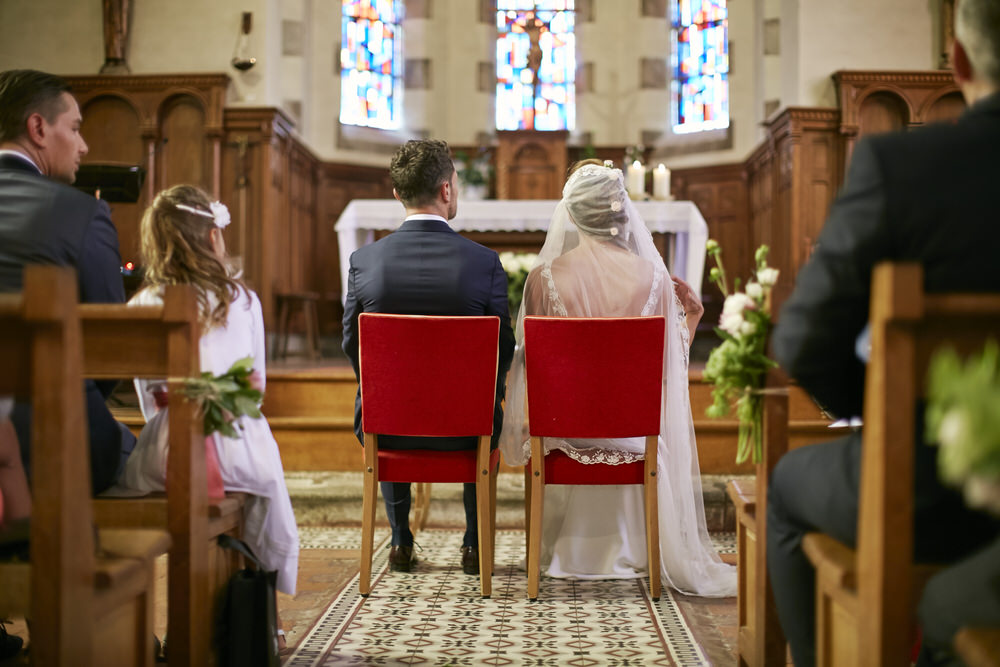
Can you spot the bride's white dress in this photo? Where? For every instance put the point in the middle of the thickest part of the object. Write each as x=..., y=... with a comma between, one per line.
x=598, y=532
x=249, y=463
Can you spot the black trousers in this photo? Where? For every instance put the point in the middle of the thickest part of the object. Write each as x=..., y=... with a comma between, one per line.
x=397, y=509
x=815, y=489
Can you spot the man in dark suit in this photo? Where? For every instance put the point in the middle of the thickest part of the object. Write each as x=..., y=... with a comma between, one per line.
x=45, y=221
x=426, y=268
x=926, y=196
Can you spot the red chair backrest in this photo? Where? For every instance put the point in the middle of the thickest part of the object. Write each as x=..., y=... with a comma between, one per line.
x=591, y=377
x=428, y=375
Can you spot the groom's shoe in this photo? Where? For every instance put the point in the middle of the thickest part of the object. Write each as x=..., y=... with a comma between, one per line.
x=401, y=559
x=470, y=560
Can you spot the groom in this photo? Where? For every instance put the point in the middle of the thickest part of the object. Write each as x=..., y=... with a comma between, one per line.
x=426, y=268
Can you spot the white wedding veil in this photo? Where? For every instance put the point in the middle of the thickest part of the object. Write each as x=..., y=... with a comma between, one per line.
x=599, y=260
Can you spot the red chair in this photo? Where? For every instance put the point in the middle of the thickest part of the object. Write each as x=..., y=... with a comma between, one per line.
x=429, y=376
x=592, y=378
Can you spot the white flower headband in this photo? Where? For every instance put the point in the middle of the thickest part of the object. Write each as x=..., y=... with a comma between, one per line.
x=220, y=214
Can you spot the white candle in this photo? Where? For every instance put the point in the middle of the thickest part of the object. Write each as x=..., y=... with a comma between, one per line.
x=635, y=180
x=661, y=183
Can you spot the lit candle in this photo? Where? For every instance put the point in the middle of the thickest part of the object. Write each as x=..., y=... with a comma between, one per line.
x=636, y=180
x=661, y=183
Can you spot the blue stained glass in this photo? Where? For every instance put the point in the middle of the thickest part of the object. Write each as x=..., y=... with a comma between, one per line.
x=700, y=87
x=371, y=63
x=530, y=32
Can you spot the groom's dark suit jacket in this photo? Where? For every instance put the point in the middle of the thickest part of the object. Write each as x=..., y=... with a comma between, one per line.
x=45, y=222
x=426, y=268
x=931, y=195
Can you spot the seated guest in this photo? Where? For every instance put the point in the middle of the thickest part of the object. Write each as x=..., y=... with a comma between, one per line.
x=456, y=277
x=15, y=503
x=44, y=221
x=599, y=261
x=924, y=196
x=182, y=244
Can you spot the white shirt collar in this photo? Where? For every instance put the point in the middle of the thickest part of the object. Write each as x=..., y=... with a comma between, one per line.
x=8, y=151
x=425, y=216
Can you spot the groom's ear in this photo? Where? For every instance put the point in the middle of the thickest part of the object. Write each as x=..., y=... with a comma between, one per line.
x=396, y=195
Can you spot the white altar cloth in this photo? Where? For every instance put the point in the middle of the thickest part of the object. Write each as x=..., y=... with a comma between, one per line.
x=362, y=217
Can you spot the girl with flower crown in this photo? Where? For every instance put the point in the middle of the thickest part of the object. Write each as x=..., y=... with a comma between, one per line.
x=182, y=244
x=599, y=260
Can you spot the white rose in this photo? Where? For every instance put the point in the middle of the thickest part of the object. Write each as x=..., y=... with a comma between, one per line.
x=954, y=429
x=507, y=261
x=754, y=290
x=731, y=323
x=747, y=328
x=737, y=302
x=528, y=260
x=767, y=277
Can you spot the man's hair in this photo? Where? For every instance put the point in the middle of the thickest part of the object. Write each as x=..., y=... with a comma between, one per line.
x=418, y=168
x=977, y=27
x=27, y=91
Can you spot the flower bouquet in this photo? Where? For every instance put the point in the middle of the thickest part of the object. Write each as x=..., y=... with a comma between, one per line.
x=738, y=365
x=221, y=399
x=962, y=417
x=516, y=265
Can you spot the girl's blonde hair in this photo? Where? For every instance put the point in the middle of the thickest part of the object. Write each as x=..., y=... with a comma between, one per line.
x=177, y=250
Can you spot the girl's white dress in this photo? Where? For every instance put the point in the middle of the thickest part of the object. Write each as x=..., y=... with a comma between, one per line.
x=249, y=463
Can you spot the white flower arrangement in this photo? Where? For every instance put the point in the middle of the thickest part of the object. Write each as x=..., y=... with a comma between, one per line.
x=738, y=365
x=516, y=265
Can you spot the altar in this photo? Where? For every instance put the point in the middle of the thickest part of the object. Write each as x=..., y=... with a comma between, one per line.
x=681, y=220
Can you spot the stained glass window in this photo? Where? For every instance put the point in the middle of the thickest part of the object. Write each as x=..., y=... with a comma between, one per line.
x=371, y=63
x=700, y=51
x=536, y=37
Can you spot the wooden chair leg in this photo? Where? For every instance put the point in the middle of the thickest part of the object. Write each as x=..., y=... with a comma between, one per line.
x=535, y=521
x=484, y=519
x=421, y=506
x=652, y=519
x=494, y=472
x=312, y=328
x=369, y=496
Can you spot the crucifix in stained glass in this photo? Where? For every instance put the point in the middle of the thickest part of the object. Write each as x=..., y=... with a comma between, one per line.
x=371, y=63
x=536, y=65
x=700, y=86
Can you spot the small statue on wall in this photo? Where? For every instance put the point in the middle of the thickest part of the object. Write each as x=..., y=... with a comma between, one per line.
x=947, y=22
x=116, y=20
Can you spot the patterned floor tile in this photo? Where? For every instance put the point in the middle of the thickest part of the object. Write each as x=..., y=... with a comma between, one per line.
x=435, y=616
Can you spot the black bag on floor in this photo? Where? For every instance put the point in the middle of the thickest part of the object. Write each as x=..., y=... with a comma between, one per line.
x=246, y=633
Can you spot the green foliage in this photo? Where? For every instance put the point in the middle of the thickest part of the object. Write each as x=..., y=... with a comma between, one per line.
x=962, y=416
x=737, y=367
x=224, y=398
x=473, y=169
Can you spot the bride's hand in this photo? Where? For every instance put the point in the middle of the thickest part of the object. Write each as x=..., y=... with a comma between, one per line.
x=690, y=301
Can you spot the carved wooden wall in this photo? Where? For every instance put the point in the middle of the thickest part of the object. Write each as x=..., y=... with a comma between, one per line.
x=884, y=101
x=169, y=124
x=530, y=164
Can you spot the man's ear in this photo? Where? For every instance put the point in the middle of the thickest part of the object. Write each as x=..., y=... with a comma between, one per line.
x=960, y=62
x=396, y=195
x=446, y=192
x=36, y=129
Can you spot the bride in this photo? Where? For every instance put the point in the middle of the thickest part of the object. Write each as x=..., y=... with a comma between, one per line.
x=599, y=260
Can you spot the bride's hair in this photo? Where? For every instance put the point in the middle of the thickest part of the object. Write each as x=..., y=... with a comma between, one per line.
x=595, y=198
x=177, y=250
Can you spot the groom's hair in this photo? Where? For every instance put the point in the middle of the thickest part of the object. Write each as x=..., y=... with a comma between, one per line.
x=418, y=168
x=27, y=91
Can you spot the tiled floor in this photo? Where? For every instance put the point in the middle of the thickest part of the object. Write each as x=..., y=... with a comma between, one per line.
x=435, y=616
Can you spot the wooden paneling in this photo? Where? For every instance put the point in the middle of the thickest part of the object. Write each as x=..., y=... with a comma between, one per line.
x=530, y=164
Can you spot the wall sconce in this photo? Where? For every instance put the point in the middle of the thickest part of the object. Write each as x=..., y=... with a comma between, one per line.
x=241, y=58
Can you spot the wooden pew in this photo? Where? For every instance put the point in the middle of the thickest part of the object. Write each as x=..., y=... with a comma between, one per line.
x=85, y=606
x=978, y=647
x=162, y=342
x=866, y=597
x=760, y=641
